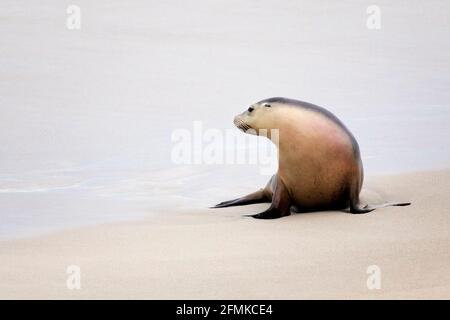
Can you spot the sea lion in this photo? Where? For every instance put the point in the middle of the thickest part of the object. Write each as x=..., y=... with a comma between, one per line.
x=319, y=161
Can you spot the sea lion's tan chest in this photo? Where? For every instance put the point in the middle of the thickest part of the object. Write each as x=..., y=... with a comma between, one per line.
x=315, y=157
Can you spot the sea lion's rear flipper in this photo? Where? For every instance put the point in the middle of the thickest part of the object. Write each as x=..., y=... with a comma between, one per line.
x=281, y=203
x=255, y=197
x=392, y=204
x=356, y=209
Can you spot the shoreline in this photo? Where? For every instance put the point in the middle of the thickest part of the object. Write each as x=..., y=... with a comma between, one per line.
x=206, y=254
x=374, y=194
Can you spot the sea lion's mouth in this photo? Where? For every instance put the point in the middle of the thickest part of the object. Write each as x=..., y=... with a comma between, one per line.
x=238, y=122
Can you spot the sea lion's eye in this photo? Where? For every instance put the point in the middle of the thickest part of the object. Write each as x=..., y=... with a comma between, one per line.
x=267, y=105
x=250, y=109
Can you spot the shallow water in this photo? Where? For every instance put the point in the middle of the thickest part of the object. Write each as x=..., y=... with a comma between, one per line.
x=86, y=116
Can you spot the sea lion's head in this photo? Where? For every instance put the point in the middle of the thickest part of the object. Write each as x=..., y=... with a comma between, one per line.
x=258, y=119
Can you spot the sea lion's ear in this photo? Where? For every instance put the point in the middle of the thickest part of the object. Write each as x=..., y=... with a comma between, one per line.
x=267, y=105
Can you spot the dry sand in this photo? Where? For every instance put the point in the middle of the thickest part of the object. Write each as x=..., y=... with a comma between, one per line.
x=217, y=254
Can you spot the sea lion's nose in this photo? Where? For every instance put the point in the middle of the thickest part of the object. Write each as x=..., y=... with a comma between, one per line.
x=236, y=121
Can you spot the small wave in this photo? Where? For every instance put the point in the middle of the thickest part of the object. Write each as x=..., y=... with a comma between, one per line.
x=38, y=188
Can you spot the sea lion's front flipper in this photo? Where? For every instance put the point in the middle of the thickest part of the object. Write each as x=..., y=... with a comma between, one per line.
x=255, y=197
x=281, y=203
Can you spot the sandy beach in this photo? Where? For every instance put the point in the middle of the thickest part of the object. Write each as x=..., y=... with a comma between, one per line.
x=218, y=254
